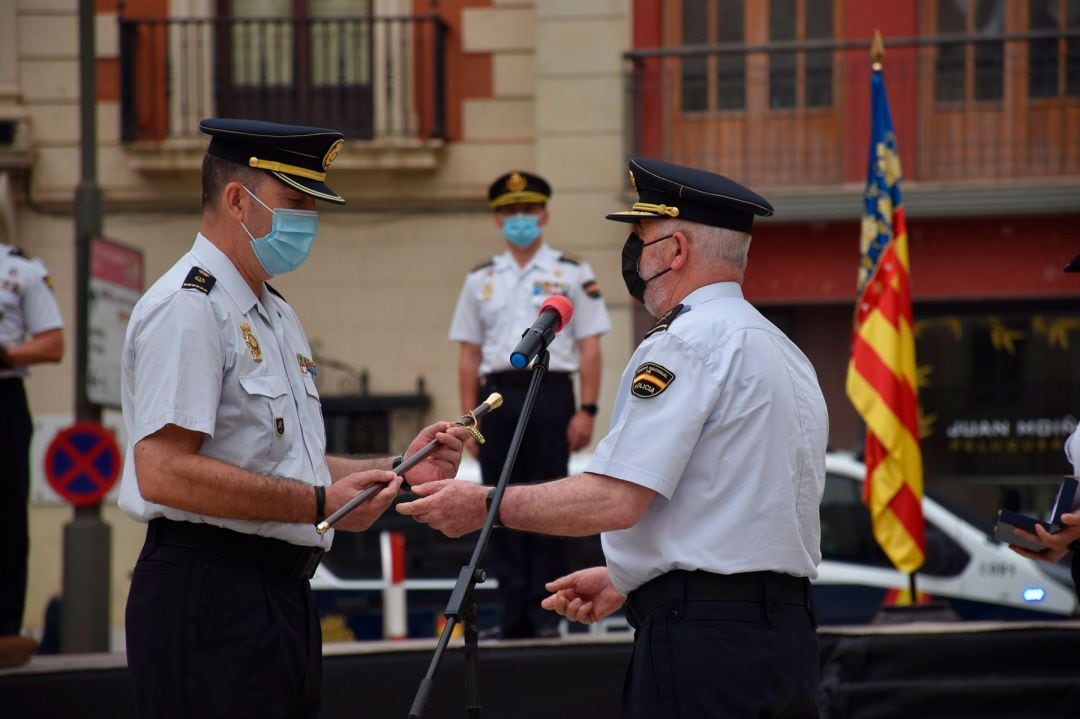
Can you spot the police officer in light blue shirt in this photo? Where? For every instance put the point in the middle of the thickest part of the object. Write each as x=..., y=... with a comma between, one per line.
x=226, y=461
x=31, y=332
x=708, y=484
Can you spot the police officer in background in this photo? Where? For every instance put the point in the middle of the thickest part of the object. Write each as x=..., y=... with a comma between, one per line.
x=1068, y=539
x=708, y=484
x=226, y=459
x=30, y=333
x=501, y=298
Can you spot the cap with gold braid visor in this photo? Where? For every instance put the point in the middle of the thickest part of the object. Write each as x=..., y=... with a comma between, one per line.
x=296, y=156
x=470, y=421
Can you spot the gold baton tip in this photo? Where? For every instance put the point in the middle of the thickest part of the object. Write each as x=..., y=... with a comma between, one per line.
x=322, y=527
x=494, y=400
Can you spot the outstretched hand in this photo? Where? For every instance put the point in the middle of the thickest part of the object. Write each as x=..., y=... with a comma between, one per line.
x=586, y=596
x=453, y=506
x=443, y=462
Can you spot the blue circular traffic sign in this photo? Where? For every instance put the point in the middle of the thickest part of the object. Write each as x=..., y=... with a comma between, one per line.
x=82, y=463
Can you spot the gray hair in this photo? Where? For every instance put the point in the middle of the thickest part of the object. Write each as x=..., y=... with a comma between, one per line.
x=718, y=248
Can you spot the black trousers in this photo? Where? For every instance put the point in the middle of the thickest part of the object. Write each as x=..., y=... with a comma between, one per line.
x=524, y=562
x=16, y=429
x=209, y=636
x=723, y=659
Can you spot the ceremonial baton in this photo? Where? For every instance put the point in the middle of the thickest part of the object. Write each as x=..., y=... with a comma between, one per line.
x=469, y=421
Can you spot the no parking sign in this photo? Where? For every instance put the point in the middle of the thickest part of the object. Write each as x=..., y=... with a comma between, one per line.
x=82, y=463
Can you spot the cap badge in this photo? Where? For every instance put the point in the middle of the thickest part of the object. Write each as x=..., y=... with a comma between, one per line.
x=251, y=341
x=332, y=153
x=650, y=379
x=633, y=182
x=515, y=183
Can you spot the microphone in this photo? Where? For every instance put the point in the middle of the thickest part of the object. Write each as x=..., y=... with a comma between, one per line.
x=554, y=314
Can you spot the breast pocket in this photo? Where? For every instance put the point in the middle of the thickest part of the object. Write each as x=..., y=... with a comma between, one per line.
x=271, y=418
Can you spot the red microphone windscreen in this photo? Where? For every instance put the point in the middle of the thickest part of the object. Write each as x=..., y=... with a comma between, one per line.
x=562, y=305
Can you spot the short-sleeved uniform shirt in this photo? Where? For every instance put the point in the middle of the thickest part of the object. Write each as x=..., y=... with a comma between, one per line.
x=1072, y=450
x=27, y=304
x=500, y=300
x=232, y=365
x=720, y=414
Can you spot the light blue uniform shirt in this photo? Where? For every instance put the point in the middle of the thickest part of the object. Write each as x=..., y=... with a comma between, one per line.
x=720, y=414
x=188, y=361
x=27, y=304
x=500, y=300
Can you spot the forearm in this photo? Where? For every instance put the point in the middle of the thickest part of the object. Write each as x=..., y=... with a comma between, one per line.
x=203, y=485
x=44, y=347
x=576, y=506
x=589, y=370
x=341, y=467
x=468, y=375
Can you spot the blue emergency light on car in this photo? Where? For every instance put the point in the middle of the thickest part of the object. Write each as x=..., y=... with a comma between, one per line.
x=1034, y=594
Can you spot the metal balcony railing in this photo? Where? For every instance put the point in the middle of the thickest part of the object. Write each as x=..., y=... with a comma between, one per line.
x=371, y=77
x=966, y=108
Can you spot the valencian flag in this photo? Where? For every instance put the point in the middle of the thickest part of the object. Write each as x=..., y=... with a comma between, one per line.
x=881, y=377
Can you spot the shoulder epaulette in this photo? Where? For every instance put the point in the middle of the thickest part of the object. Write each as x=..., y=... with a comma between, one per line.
x=489, y=262
x=20, y=252
x=570, y=258
x=199, y=279
x=270, y=287
x=663, y=323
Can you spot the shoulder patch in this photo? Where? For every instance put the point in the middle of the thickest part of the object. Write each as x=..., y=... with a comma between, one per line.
x=199, y=279
x=20, y=252
x=489, y=262
x=570, y=258
x=663, y=322
x=592, y=289
x=651, y=379
x=272, y=291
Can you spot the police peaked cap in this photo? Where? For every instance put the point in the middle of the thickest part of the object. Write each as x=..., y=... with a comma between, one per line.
x=297, y=156
x=519, y=186
x=667, y=191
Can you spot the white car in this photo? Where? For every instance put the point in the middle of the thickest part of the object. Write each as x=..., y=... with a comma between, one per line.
x=976, y=576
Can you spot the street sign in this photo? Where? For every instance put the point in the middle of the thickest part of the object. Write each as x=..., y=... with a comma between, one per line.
x=82, y=463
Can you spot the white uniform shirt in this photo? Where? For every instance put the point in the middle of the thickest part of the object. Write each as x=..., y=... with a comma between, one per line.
x=188, y=361
x=722, y=416
x=500, y=300
x=27, y=303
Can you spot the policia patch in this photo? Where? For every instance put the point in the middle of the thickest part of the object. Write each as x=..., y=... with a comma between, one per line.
x=650, y=379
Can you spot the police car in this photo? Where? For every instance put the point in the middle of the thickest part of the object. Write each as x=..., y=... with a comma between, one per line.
x=975, y=576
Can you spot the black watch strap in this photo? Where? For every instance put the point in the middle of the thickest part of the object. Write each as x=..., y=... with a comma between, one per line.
x=590, y=409
x=397, y=460
x=488, y=500
x=320, y=504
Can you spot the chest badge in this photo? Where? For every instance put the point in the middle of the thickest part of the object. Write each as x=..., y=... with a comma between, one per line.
x=485, y=294
x=650, y=379
x=251, y=341
x=307, y=365
x=279, y=425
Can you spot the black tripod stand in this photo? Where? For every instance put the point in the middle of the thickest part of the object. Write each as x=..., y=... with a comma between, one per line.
x=462, y=608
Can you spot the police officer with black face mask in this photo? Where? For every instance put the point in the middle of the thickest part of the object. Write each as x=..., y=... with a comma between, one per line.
x=708, y=483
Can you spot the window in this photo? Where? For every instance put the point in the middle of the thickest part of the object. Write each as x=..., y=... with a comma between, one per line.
x=970, y=70
x=1054, y=63
x=729, y=68
x=810, y=71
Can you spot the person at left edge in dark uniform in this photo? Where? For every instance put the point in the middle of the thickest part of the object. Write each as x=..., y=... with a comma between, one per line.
x=226, y=461
x=499, y=299
x=31, y=332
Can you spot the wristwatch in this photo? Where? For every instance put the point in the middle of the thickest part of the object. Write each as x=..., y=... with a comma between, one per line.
x=590, y=409
x=487, y=505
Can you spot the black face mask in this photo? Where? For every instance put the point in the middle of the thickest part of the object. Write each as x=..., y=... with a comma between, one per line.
x=631, y=256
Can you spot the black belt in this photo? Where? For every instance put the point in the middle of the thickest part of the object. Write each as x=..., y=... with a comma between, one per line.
x=522, y=378
x=701, y=586
x=289, y=559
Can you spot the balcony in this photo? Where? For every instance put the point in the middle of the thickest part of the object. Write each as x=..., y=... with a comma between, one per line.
x=970, y=112
x=378, y=79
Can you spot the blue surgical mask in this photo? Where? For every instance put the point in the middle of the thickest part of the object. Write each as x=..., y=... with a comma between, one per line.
x=288, y=243
x=521, y=229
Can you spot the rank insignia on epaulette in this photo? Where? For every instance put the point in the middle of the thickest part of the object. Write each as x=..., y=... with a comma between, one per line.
x=592, y=289
x=199, y=279
x=490, y=262
x=20, y=252
x=570, y=259
x=650, y=379
x=251, y=341
x=663, y=322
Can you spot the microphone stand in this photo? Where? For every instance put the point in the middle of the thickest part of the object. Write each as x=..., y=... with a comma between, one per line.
x=462, y=606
